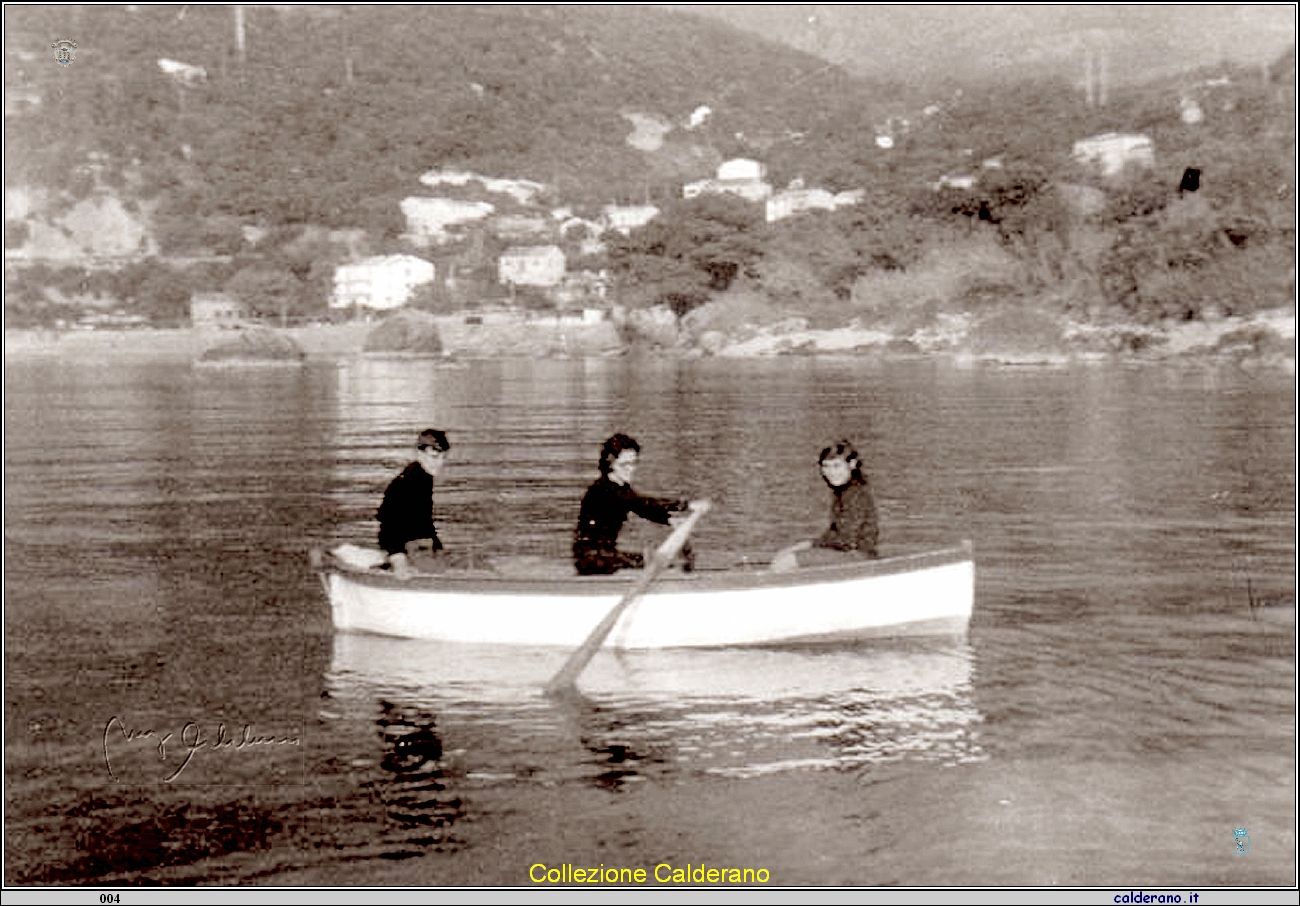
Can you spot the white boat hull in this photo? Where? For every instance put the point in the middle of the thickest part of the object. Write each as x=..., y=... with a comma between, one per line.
x=927, y=594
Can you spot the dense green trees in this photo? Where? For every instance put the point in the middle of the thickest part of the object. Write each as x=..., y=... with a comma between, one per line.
x=693, y=249
x=294, y=138
x=1034, y=226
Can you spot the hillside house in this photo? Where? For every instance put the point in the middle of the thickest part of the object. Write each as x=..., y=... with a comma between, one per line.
x=523, y=191
x=740, y=168
x=1111, y=152
x=519, y=227
x=581, y=290
x=741, y=176
x=626, y=218
x=801, y=201
x=956, y=181
x=581, y=228
x=536, y=265
x=215, y=310
x=379, y=283
x=427, y=219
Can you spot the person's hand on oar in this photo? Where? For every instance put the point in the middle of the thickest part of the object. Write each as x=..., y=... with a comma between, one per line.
x=692, y=506
x=564, y=682
x=400, y=567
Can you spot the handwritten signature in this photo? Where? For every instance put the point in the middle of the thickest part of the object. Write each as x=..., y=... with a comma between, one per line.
x=190, y=741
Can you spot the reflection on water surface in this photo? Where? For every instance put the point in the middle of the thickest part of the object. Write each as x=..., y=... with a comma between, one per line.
x=734, y=713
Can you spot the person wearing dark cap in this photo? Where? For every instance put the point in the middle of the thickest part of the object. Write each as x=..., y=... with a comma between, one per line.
x=854, y=530
x=406, y=515
x=605, y=508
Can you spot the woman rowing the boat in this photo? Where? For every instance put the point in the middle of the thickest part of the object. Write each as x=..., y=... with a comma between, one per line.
x=605, y=507
x=406, y=515
x=854, y=530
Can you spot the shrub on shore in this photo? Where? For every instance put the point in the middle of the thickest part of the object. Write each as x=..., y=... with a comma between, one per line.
x=406, y=331
x=958, y=275
x=254, y=344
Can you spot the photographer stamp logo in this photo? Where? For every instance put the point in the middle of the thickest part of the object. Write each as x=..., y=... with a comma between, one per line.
x=1242, y=837
x=65, y=51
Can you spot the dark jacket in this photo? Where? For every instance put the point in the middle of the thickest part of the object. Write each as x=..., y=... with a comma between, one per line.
x=604, y=510
x=407, y=511
x=853, y=520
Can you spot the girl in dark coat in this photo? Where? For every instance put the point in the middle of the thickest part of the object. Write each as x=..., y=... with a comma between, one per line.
x=854, y=528
x=605, y=508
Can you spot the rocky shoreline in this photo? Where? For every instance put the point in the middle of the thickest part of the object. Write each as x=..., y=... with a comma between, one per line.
x=1009, y=337
x=1266, y=339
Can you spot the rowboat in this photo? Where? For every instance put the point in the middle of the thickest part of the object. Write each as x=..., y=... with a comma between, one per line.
x=917, y=595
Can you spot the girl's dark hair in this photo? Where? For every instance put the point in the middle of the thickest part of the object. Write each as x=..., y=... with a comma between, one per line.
x=614, y=446
x=432, y=437
x=843, y=449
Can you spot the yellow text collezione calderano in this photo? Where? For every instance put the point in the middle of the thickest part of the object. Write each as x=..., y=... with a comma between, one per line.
x=663, y=873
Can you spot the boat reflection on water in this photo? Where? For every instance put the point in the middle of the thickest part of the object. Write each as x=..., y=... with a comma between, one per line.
x=414, y=786
x=647, y=715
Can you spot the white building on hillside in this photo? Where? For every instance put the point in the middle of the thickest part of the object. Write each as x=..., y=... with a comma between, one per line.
x=534, y=265
x=699, y=116
x=741, y=168
x=520, y=227
x=427, y=219
x=215, y=310
x=741, y=176
x=800, y=201
x=1111, y=152
x=581, y=227
x=961, y=181
x=581, y=290
x=627, y=217
x=523, y=191
x=382, y=282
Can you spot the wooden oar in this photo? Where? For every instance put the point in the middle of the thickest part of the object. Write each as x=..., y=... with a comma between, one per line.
x=564, y=681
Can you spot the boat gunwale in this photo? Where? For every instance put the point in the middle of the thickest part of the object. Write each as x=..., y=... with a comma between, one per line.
x=740, y=579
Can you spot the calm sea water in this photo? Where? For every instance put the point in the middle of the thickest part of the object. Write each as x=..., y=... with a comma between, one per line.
x=1135, y=545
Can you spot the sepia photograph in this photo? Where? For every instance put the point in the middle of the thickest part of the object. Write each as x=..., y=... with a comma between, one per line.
x=651, y=447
